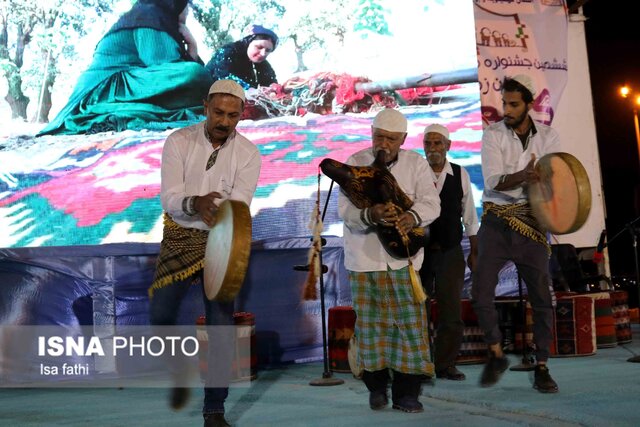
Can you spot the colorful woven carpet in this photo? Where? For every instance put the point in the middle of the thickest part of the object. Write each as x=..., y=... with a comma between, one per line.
x=104, y=188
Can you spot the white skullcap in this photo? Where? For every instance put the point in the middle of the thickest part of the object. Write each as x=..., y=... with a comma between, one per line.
x=390, y=120
x=525, y=81
x=436, y=128
x=227, y=86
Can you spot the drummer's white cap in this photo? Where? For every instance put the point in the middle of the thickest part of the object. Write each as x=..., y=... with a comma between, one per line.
x=436, y=128
x=229, y=87
x=525, y=81
x=390, y=120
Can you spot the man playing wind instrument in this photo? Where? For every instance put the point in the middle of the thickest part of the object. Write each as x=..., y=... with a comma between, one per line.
x=391, y=325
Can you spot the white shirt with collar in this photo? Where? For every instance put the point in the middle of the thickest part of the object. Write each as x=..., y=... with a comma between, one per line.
x=469, y=214
x=502, y=153
x=362, y=249
x=184, y=158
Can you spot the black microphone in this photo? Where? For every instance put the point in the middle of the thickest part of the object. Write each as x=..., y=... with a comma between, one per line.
x=308, y=267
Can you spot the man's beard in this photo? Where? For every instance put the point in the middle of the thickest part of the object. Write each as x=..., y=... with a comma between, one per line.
x=435, y=159
x=516, y=121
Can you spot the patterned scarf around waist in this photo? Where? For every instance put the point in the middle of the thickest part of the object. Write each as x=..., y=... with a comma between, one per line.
x=181, y=254
x=519, y=217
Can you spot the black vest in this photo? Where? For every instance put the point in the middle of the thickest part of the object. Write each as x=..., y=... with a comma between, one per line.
x=446, y=230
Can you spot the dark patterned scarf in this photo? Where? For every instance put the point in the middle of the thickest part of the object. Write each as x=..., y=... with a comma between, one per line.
x=520, y=219
x=181, y=254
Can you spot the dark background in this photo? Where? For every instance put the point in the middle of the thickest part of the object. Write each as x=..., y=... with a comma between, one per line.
x=613, y=46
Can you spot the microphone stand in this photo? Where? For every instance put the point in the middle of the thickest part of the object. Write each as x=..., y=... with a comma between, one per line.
x=327, y=378
x=527, y=362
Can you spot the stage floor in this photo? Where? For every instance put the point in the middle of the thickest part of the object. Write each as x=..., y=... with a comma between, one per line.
x=598, y=390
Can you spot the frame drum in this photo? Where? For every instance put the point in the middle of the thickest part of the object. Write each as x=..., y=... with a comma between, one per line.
x=561, y=200
x=226, y=257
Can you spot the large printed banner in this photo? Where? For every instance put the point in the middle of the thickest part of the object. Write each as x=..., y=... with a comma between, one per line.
x=95, y=189
x=521, y=37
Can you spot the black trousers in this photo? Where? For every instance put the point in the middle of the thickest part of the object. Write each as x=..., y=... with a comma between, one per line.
x=497, y=244
x=442, y=276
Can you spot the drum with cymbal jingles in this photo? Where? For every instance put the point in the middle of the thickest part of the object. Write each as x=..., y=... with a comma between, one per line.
x=227, y=254
x=561, y=200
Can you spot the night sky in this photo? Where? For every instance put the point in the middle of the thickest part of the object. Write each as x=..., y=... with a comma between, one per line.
x=613, y=46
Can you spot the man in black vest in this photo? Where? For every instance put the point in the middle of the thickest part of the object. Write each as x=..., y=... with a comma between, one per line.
x=444, y=264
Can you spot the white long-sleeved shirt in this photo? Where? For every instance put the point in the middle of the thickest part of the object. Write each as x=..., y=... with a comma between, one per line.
x=469, y=214
x=502, y=153
x=362, y=248
x=184, y=159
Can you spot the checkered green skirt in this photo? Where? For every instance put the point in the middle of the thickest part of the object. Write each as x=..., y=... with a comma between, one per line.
x=391, y=329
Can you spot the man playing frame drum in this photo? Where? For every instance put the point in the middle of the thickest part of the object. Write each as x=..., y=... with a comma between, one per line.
x=509, y=230
x=202, y=166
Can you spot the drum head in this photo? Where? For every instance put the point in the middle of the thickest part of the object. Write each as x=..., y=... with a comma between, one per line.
x=561, y=201
x=226, y=257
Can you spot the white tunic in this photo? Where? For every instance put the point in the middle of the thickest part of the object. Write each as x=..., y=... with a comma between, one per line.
x=362, y=248
x=502, y=153
x=184, y=159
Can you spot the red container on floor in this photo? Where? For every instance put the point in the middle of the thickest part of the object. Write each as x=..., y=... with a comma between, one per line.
x=620, y=309
x=341, y=325
x=605, y=324
x=575, y=327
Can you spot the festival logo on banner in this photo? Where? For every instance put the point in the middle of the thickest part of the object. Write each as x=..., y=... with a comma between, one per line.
x=524, y=37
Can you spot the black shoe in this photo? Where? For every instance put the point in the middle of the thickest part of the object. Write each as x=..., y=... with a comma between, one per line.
x=451, y=373
x=543, y=381
x=493, y=370
x=215, y=420
x=378, y=400
x=408, y=404
x=179, y=397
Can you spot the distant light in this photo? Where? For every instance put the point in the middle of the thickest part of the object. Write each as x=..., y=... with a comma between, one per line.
x=637, y=99
x=624, y=91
